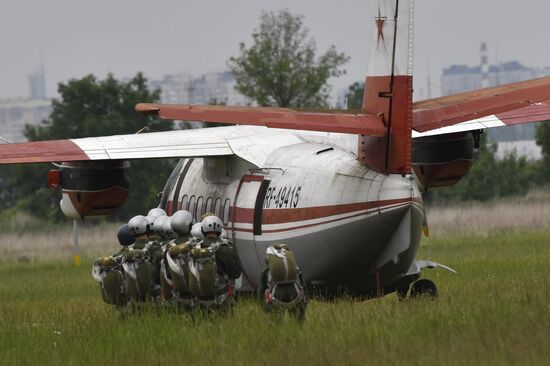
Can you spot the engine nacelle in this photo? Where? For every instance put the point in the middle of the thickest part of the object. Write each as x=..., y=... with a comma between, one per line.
x=91, y=188
x=443, y=160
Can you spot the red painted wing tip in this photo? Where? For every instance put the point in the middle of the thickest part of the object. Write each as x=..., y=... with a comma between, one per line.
x=147, y=108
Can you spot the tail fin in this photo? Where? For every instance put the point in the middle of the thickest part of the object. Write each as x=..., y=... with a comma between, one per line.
x=388, y=88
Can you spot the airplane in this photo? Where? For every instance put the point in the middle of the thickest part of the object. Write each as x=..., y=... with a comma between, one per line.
x=342, y=188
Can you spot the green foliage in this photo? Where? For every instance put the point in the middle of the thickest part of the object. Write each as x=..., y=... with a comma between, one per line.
x=495, y=311
x=490, y=178
x=90, y=107
x=543, y=140
x=354, y=96
x=281, y=69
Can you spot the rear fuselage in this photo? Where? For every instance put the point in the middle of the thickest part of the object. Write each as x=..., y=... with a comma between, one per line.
x=345, y=222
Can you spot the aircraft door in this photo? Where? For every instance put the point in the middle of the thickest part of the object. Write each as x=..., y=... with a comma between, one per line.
x=246, y=222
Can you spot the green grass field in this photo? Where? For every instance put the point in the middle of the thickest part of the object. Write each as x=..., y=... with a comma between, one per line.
x=495, y=311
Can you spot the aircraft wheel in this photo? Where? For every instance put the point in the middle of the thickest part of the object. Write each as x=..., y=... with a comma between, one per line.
x=424, y=288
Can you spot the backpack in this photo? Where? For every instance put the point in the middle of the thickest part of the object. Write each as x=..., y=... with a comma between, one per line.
x=203, y=268
x=109, y=275
x=283, y=282
x=205, y=282
x=138, y=274
x=177, y=260
x=281, y=263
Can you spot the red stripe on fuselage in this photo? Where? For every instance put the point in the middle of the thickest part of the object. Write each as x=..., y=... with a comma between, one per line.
x=364, y=212
x=286, y=215
x=289, y=215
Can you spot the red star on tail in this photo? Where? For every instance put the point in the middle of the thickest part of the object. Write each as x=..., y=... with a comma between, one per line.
x=380, y=22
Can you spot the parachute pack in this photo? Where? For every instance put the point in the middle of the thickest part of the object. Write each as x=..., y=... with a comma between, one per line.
x=177, y=260
x=205, y=282
x=283, y=283
x=108, y=273
x=138, y=274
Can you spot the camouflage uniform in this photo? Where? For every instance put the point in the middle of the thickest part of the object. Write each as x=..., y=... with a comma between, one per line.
x=227, y=260
x=155, y=247
x=138, y=280
x=109, y=273
x=179, y=284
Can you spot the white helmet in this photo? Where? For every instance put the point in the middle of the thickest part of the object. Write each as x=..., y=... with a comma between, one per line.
x=212, y=224
x=138, y=225
x=181, y=222
x=196, y=230
x=158, y=224
x=156, y=212
x=167, y=231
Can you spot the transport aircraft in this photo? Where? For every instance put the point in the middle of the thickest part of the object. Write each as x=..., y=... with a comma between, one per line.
x=342, y=188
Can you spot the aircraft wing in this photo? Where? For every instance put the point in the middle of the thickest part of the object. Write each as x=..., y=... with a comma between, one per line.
x=192, y=143
x=308, y=120
x=523, y=102
x=182, y=143
x=537, y=112
x=251, y=143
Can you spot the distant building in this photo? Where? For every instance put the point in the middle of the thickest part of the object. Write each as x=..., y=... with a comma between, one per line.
x=37, y=84
x=15, y=114
x=462, y=78
x=184, y=88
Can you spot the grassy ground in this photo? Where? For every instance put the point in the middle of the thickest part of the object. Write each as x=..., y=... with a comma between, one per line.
x=496, y=311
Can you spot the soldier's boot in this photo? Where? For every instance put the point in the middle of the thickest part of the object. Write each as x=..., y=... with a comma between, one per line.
x=299, y=312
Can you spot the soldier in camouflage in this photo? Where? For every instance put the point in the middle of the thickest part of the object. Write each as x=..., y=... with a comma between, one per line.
x=137, y=267
x=214, y=266
x=175, y=263
x=227, y=260
x=282, y=286
x=109, y=274
x=156, y=246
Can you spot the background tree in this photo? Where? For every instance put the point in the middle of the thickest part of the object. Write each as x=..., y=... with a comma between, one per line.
x=543, y=140
x=281, y=69
x=354, y=96
x=490, y=178
x=89, y=107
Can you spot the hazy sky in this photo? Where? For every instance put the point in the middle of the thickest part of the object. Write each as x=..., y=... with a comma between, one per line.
x=158, y=37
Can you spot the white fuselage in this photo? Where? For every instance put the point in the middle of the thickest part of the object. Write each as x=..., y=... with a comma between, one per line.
x=344, y=221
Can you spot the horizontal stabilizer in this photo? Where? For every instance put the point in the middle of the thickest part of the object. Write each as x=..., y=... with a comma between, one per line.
x=315, y=120
x=537, y=112
x=473, y=106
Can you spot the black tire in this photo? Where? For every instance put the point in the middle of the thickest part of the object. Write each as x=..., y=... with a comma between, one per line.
x=424, y=288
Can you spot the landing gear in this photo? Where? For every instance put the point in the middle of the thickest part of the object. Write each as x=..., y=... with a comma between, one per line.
x=423, y=288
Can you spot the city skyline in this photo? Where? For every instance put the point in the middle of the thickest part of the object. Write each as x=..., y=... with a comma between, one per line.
x=130, y=36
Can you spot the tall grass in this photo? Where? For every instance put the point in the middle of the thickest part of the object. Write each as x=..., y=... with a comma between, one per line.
x=25, y=239
x=531, y=212
x=495, y=311
x=55, y=242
